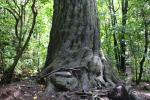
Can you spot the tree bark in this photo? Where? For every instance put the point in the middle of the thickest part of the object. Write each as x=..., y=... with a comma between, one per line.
x=2, y=64
x=122, y=40
x=145, y=46
x=75, y=60
x=75, y=45
x=114, y=26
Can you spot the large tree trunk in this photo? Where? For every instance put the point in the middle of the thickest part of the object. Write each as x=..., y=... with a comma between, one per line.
x=75, y=59
x=74, y=42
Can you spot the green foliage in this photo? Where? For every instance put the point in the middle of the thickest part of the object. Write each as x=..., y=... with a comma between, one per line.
x=134, y=32
x=34, y=56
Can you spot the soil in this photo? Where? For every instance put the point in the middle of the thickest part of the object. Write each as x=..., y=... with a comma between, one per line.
x=22, y=90
x=30, y=90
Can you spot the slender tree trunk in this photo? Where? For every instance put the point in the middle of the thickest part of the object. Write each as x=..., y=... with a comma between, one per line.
x=122, y=41
x=2, y=63
x=114, y=25
x=145, y=47
x=8, y=74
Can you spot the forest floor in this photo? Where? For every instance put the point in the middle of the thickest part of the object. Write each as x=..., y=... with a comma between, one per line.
x=30, y=90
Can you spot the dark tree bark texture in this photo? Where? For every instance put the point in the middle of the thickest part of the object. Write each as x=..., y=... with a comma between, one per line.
x=115, y=38
x=122, y=41
x=74, y=43
x=145, y=22
x=75, y=60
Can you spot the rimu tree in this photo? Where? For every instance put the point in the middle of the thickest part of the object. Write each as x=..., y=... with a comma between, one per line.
x=74, y=58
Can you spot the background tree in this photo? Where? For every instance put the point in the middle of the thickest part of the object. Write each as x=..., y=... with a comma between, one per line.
x=137, y=39
x=22, y=34
x=123, y=40
x=33, y=56
x=114, y=24
x=134, y=39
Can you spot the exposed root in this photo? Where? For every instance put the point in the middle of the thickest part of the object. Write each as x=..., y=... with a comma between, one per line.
x=92, y=72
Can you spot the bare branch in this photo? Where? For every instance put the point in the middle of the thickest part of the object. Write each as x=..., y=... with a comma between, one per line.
x=26, y=2
x=33, y=25
x=17, y=21
x=11, y=12
x=12, y=7
x=15, y=2
x=118, y=7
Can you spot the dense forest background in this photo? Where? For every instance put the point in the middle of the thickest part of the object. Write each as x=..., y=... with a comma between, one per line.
x=25, y=27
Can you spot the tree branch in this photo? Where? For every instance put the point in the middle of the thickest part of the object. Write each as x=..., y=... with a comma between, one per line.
x=16, y=19
x=15, y=2
x=12, y=8
x=32, y=27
